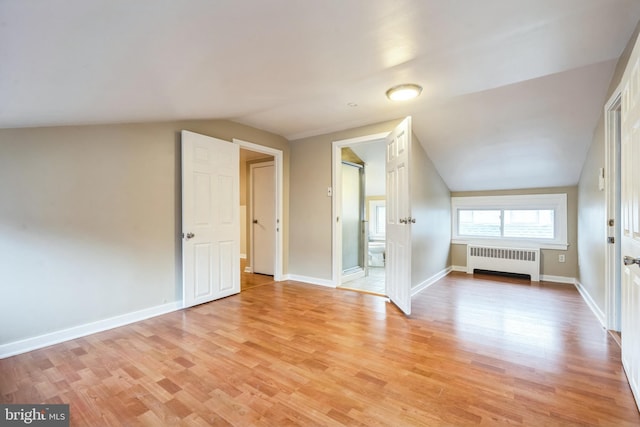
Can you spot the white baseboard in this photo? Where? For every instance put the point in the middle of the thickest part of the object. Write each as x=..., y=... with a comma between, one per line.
x=248, y=269
x=243, y=256
x=543, y=277
x=558, y=279
x=591, y=303
x=430, y=281
x=34, y=343
x=310, y=280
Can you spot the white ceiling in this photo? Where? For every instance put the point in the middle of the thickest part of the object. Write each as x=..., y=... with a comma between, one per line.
x=512, y=89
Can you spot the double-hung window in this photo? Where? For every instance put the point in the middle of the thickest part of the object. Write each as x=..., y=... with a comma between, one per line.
x=532, y=220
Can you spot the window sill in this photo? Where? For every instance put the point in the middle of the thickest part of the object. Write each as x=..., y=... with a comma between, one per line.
x=504, y=243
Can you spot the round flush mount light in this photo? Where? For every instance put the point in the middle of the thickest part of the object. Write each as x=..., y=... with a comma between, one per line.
x=404, y=92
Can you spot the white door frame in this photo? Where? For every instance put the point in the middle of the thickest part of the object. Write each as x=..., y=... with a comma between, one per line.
x=612, y=197
x=252, y=166
x=277, y=159
x=336, y=178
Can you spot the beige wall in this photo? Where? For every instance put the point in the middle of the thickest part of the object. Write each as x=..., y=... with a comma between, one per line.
x=592, y=227
x=549, y=257
x=431, y=206
x=310, y=228
x=90, y=220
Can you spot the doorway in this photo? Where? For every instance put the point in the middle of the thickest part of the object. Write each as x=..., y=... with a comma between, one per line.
x=268, y=162
x=359, y=207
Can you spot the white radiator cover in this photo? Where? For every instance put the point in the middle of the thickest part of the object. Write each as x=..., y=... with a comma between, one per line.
x=507, y=260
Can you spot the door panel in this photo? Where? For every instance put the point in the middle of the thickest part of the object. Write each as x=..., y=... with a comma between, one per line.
x=263, y=188
x=210, y=218
x=630, y=245
x=398, y=250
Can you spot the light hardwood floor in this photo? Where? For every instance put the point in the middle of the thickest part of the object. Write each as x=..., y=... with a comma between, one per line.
x=251, y=280
x=475, y=352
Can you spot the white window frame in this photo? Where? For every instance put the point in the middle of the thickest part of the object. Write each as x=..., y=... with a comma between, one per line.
x=373, y=218
x=555, y=202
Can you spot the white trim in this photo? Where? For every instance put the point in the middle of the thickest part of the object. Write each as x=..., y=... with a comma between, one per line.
x=430, y=281
x=311, y=280
x=555, y=201
x=336, y=191
x=460, y=268
x=508, y=243
x=34, y=343
x=557, y=279
x=278, y=160
x=590, y=303
x=612, y=251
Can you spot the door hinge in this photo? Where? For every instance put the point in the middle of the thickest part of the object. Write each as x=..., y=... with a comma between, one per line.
x=611, y=240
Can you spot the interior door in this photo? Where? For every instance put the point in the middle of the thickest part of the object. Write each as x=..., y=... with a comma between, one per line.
x=398, y=216
x=263, y=221
x=210, y=218
x=630, y=245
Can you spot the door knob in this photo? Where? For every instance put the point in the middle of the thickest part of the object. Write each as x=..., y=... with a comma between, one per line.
x=629, y=260
x=190, y=236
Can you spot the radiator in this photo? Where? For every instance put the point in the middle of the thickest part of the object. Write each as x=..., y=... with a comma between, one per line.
x=507, y=260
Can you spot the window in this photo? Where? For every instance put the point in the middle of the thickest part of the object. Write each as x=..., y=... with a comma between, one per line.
x=377, y=219
x=479, y=223
x=539, y=219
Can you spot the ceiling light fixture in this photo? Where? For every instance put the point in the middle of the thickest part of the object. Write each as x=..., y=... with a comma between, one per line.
x=404, y=92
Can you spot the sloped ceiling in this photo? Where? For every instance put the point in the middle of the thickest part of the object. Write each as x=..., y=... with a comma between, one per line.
x=512, y=89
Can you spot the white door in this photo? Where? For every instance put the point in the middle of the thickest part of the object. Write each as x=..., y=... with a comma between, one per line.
x=630, y=245
x=210, y=218
x=263, y=218
x=398, y=211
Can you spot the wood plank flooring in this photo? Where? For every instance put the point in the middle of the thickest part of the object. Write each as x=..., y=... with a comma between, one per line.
x=475, y=352
x=251, y=280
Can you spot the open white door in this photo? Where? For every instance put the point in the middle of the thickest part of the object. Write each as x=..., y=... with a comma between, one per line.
x=263, y=217
x=398, y=250
x=630, y=241
x=210, y=218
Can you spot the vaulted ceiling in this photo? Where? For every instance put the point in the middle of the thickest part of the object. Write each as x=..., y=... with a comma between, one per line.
x=512, y=89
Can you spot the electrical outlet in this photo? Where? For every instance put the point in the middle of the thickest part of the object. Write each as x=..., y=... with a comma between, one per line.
x=561, y=258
